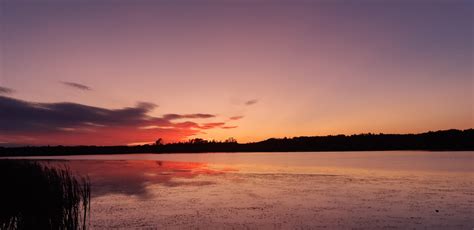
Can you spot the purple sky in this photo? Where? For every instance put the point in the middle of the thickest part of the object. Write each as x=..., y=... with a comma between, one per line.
x=284, y=68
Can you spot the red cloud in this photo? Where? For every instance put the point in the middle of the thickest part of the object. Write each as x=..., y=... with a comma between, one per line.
x=67, y=123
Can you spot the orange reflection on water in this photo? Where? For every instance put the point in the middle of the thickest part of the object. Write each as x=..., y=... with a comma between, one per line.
x=132, y=177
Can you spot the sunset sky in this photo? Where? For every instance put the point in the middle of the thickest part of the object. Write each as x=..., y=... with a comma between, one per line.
x=130, y=71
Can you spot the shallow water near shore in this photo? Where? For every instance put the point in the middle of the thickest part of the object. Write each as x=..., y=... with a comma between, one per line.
x=311, y=190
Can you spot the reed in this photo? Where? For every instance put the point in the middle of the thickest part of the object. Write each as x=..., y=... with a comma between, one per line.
x=37, y=196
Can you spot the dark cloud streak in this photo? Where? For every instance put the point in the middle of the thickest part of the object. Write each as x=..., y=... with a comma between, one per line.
x=76, y=85
x=173, y=116
x=5, y=90
x=251, y=102
x=235, y=118
x=19, y=115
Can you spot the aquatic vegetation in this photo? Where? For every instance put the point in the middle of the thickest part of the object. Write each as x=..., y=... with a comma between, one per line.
x=38, y=196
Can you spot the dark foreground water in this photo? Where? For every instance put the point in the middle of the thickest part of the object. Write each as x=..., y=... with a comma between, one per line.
x=336, y=190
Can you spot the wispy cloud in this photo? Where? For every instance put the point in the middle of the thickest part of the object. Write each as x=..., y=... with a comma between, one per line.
x=76, y=85
x=235, y=118
x=212, y=125
x=5, y=90
x=251, y=102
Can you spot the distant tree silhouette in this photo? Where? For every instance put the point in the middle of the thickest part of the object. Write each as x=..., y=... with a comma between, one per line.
x=230, y=140
x=453, y=140
x=159, y=141
x=197, y=141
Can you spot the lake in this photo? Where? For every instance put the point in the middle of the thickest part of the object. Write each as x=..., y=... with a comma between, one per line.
x=310, y=190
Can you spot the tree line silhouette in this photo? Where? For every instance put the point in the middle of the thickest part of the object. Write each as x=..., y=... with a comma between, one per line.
x=444, y=140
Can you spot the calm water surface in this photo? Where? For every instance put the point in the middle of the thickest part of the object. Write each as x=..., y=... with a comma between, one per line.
x=334, y=190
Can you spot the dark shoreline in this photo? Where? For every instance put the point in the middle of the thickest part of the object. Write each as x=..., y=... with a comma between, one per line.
x=445, y=140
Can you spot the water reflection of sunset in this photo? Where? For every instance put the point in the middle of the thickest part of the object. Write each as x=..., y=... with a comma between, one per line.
x=338, y=190
x=132, y=177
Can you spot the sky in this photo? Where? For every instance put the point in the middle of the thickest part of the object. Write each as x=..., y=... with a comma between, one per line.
x=112, y=72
